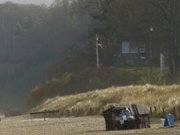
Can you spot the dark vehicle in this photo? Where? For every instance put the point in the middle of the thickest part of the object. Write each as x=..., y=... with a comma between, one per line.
x=119, y=117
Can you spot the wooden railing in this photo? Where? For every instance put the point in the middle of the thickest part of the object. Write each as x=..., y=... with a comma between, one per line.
x=46, y=114
x=154, y=111
x=162, y=111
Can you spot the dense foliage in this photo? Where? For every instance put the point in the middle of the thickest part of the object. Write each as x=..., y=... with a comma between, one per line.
x=39, y=43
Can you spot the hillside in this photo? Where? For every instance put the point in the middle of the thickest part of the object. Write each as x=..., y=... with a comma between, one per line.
x=89, y=79
x=51, y=51
x=25, y=57
x=93, y=102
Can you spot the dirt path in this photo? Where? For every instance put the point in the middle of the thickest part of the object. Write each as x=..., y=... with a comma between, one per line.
x=75, y=126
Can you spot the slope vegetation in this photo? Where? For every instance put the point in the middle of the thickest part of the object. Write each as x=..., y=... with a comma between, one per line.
x=88, y=80
x=93, y=102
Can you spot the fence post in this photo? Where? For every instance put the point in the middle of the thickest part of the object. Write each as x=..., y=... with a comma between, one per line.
x=59, y=114
x=163, y=110
x=150, y=110
x=155, y=110
x=31, y=116
x=174, y=112
x=44, y=114
x=90, y=111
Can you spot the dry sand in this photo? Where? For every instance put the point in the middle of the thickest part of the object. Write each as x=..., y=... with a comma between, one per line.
x=92, y=125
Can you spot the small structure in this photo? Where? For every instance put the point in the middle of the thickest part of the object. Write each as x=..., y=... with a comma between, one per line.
x=169, y=120
x=132, y=52
x=137, y=116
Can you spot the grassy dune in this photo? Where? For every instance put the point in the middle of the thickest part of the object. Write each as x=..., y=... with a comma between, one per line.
x=93, y=102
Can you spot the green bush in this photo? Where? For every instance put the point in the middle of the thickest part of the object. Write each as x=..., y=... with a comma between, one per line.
x=91, y=79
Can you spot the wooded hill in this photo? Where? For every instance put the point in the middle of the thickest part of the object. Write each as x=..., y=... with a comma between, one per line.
x=38, y=43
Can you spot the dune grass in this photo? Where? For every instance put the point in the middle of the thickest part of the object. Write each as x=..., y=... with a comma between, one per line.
x=93, y=102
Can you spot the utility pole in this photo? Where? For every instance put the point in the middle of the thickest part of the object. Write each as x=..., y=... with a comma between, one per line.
x=150, y=56
x=151, y=38
x=97, y=52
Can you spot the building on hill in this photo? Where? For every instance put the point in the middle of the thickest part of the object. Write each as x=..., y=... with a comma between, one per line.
x=137, y=52
x=132, y=53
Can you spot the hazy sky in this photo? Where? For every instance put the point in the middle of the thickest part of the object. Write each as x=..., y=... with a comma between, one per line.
x=39, y=2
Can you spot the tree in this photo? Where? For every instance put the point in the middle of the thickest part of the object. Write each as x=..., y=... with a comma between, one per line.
x=127, y=19
x=168, y=20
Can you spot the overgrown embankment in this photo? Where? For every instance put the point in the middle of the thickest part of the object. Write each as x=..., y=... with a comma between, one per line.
x=90, y=79
x=93, y=102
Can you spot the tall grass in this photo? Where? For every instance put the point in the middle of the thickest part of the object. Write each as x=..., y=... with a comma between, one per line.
x=93, y=102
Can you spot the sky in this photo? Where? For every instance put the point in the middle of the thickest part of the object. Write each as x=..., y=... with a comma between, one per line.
x=37, y=2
